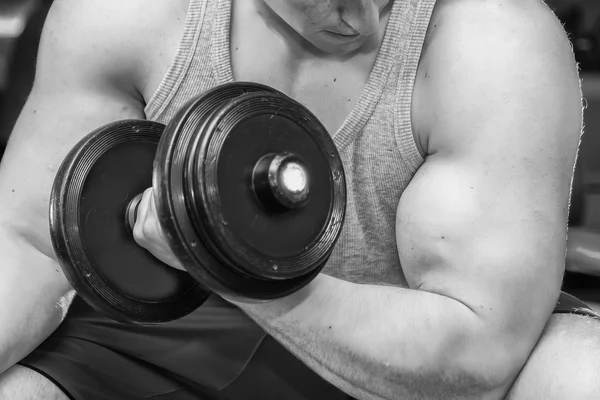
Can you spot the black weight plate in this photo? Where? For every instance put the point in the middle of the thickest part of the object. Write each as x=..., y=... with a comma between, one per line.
x=185, y=206
x=97, y=253
x=169, y=176
x=261, y=242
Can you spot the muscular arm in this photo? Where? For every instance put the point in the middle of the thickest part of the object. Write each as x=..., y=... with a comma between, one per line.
x=82, y=82
x=481, y=228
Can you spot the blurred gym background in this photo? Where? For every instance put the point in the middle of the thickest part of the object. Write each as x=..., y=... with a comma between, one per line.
x=21, y=23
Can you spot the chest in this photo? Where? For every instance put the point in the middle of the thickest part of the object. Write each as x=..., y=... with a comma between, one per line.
x=329, y=86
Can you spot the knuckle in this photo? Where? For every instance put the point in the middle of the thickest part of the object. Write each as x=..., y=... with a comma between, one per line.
x=138, y=233
x=147, y=230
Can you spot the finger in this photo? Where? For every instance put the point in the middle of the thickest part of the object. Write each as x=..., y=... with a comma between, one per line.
x=154, y=222
x=152, y=211
x=142, y=214
x=147, y=230
x=151, y=202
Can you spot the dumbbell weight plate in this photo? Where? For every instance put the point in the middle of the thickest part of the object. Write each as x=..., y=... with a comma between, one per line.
x=215, y=223
x=96, y=251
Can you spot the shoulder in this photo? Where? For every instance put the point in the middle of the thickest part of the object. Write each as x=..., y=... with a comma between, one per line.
x=482, y=54
x=525, y=23
x=108, y=38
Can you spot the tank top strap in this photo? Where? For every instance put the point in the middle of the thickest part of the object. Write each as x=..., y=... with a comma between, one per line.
x=195, y=37
x=417, y=19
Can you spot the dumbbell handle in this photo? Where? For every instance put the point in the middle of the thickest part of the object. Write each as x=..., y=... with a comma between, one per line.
x=131, y=211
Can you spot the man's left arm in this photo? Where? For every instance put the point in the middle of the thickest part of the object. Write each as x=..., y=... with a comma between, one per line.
x=481, y=227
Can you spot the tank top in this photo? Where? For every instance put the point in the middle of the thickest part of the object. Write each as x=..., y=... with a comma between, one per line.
x=375, y=142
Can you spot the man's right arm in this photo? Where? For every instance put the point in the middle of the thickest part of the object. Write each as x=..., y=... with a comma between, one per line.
x=85, y=78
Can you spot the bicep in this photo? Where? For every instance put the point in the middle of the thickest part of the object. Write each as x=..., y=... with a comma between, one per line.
x=480, y=237
x=73, y=94
x=484, y=219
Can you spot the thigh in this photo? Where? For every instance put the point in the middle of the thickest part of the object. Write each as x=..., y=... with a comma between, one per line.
x=215, y=353
x=95, y=358
x=20, y=383
x=564, y=363
x=86, y=370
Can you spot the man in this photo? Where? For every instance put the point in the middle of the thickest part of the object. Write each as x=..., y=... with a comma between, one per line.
x=458, y=123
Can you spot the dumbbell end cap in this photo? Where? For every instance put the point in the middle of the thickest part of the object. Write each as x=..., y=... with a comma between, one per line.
x=281, y=182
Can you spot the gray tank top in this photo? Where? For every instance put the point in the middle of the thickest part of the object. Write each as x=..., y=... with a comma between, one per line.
x=375, y=141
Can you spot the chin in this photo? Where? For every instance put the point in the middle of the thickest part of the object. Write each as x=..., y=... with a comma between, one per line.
x=339, y=49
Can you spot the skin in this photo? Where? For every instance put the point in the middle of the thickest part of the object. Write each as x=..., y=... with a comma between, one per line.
x=496, y=112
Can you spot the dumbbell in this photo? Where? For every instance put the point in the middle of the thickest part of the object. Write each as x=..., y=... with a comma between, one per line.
x=250, y=193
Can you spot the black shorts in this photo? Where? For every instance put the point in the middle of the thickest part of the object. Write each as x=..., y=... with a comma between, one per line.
x=216, y=353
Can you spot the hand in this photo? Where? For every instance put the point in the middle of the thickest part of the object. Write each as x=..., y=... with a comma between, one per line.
x=148, y=232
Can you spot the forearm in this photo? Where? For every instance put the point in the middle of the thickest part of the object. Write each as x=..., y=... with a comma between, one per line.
x=377, y=342
x=31, y=290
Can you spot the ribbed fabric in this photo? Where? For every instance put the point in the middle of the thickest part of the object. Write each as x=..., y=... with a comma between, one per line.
x=375, y=141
